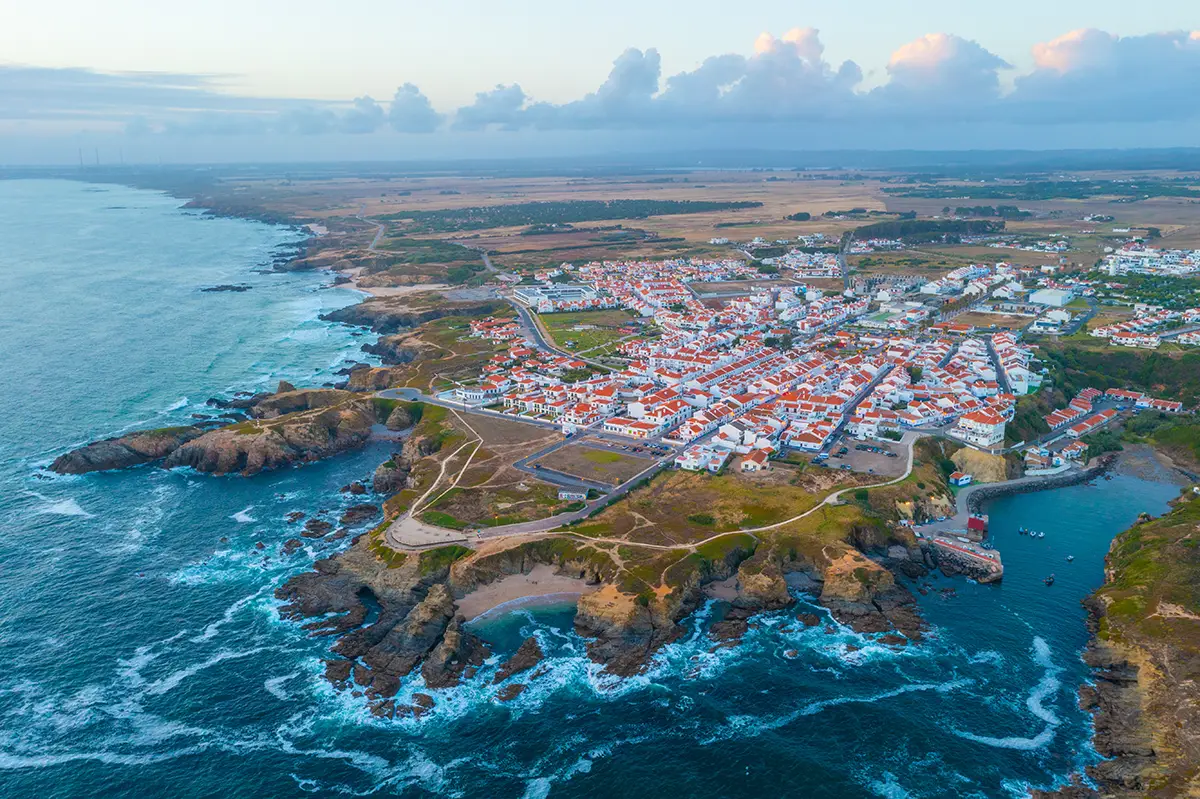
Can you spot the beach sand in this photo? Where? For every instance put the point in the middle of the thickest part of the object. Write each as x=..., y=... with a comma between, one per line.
x=387, y=291
x=726, y=590
x=540, y=583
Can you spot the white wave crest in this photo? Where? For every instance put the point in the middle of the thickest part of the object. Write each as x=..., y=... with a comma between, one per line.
x=172, y=680
x=243, y=516
x=59, y=507
x=1046, y=688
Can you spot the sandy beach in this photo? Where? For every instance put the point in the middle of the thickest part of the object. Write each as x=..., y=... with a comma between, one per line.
x=539, y=583
x=387, y=291
x=725, y=590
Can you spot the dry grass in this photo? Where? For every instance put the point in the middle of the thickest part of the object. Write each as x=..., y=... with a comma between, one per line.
x=676, y=506
x=591, y=463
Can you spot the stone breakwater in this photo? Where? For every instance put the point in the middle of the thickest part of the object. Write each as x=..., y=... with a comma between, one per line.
x=989, y=492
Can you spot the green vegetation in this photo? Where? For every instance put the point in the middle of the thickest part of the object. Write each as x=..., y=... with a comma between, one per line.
x=439, y=519
x=600, y=328
x=1005, y=211
x=705, y=519
x=1102, y=442
x=434, y=560
x=799, y=216
x=557, y=212
x=1052, y=190
x=1177, y=293
x=1161, y=374
x=721, y=548
x=926, y=230
x=603, y=456
x=1152, y=562
x=1178, y=436
x=1027, y=422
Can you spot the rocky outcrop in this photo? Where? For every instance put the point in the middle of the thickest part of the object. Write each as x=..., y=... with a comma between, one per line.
x=400, y=417
x=625, y=631
x=866, y=597
x=1145, y=661
x=456, y=657
x=391, y=475
x=358, y=514
x=391, y=315
x=294, y=401
x=528, y=655
x=393, y=350
x=242, y=401
x=134, y=449
x=253, y=447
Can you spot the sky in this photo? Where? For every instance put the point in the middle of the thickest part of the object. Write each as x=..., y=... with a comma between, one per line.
x=380, y=79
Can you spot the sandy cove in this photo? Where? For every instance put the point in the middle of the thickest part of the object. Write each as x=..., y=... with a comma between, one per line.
x=517, y=589
x=386, y=291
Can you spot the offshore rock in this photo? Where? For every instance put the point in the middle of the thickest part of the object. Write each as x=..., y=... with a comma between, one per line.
x=528, y=655
x=357, y=514
x=458, y=651
x=134, y=449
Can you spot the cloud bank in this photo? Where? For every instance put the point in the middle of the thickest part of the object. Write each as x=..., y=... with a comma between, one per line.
x=1085, y=76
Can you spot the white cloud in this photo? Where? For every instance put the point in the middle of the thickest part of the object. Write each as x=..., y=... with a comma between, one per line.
x=939, y=79
x=411, y=111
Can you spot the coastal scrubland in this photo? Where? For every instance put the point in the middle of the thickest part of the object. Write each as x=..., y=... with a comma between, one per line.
x=1146, y=657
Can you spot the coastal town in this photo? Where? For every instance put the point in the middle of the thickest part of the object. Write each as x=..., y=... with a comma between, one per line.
x=789, y=367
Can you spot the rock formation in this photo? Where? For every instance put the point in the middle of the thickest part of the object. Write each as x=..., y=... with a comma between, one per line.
x=134, y=449
x=298, y=437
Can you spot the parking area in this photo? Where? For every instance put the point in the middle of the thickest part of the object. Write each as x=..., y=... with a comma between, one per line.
x=868, y=457
x=641, y=449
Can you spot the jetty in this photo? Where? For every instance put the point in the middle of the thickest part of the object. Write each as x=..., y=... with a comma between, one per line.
x=967, y=556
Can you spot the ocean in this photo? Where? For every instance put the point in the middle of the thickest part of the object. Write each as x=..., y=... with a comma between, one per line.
x=144, y=656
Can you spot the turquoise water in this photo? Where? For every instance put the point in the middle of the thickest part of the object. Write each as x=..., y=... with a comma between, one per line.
x=144, y=656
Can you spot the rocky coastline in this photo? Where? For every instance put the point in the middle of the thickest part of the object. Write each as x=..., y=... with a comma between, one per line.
x=285, y=428
x=1144, y=656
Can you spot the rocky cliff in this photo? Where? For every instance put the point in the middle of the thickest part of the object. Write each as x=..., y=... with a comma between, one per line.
x=1145, y=660
x=392, y=314
x=261, y=445
x=134, y=449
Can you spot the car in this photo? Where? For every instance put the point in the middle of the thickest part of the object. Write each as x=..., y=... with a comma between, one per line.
x=941, y=518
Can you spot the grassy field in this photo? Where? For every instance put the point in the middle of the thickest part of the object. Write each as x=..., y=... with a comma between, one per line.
x=676, y=506
x=603, y=327
x=590, y=463
x=490, y=491
x=1001, y=321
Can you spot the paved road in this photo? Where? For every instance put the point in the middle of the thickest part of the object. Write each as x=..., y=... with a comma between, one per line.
x=416, y=395
x=379, y=228
x=962, y=506
x=837, y=431
x=530, y=323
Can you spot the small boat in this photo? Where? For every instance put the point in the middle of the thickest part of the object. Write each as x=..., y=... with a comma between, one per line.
x=1070, y=558
x=1049, y=580
x=1022, y=530
x=1041, y=535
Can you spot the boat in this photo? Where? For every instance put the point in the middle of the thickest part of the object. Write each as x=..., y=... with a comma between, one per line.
x=1022, y=530
x=1070, y=558
x=1049, y=580
x=1041, y=535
